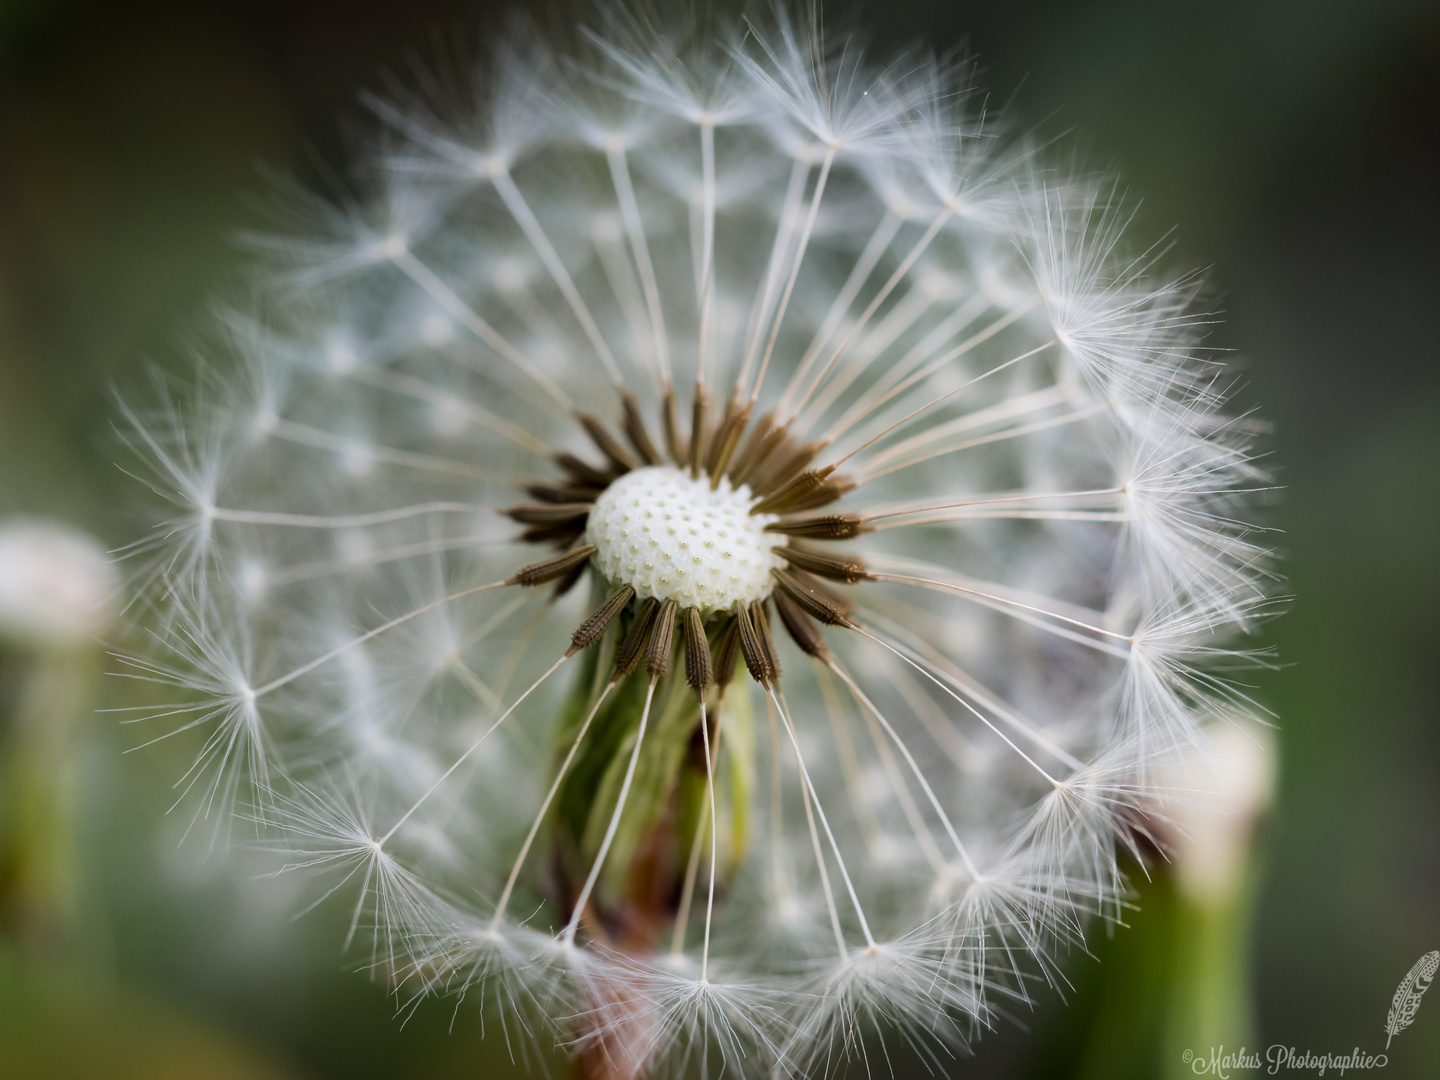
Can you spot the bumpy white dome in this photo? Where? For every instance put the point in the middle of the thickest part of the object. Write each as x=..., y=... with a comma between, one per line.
x=669, y=536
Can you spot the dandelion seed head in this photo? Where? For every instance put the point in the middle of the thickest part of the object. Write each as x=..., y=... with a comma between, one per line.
x=56, y=585
x=704, y=548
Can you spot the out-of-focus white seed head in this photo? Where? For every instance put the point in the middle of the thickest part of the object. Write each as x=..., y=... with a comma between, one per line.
x=1209, y=799
x=56, y=585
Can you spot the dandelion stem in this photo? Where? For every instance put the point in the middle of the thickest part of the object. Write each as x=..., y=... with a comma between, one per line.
x=874, y=305
x=932, y=403
x=899, y=319
x=544, y=808
x=918, y=827
x=777, y=807
x=865, y=263
x=640, y=250
x=687, y=887
x=1026, y=613
x=707, y=256
x=872, y=472
x=760, y=310
x=814, y=799
x=341, y=521
x=420, y=390
x=309, y=571
x=921, y=653
x=869, y=404
x=584, y=898
x=849, y=761
x=442, y=294
x=998, y=600
x=910, y=760
x=535, y=233
x=397, y=621
x=320, y=439
x=800, y=250
x=470, y=750
x=714, y=841
x=970, y=504
x=970, y=708
x=692, y=865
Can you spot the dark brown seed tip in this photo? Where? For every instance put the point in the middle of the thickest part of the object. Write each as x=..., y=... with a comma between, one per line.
x=564, y=534
x=584, y=474
x=633, y=647
x=822, y=527
x=610, y=446
x=636, y=431
x=546, y=513
x=757, y=657
x=699, y=667
x=832, y=490
x=760, y=616
x=785, y=465
x=727, y=439
x=698, y=442
x=804, y=484
x=569, y=581
x=675, y=444
x=552, y=569
x=563, y=493
x=814, y=598
x=801, y=627
x=757, y=449
x=847, y=570
x=662, y=642
x=593, y=629
x=727, y=654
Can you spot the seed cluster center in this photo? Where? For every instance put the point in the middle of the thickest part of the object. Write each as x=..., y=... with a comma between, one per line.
x=672, y=537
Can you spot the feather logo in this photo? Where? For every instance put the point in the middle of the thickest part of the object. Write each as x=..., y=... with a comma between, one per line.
x=1407, y=997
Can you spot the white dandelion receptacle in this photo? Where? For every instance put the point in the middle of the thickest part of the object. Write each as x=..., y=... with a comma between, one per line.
x=879, y=527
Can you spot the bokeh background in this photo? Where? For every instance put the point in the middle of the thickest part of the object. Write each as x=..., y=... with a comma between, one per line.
x=1294, y=144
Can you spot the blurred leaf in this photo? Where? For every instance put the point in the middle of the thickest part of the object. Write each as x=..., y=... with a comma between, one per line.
x=62, y=1024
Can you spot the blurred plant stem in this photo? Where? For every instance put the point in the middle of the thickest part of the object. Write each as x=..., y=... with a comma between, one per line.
x=1178, y=979
x=48, y=699
x=62, y=1014
x=1211, y=1003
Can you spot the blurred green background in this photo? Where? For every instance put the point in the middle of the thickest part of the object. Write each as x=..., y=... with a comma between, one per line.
x=1293, y=141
